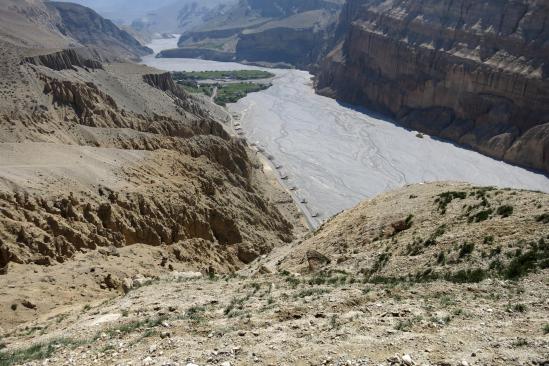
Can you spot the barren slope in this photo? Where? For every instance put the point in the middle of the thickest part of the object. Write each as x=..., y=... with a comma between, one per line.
x=96, y=157
x=353, y=310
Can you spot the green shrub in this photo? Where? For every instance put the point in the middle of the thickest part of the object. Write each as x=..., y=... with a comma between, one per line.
x=441, y=258
x=467, y=276
x=481, y=216
x=505, y=210
x=466, y=249
x=37, y=351
x=543, y=218
x=311, y=292
x=521, y=265
x=195, y=313
x=445, y=198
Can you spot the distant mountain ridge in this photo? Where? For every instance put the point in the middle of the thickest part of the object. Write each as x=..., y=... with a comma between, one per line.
x=86, y=26
x=295, y=33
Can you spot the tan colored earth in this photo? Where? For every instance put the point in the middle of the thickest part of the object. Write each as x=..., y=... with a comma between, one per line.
x=136, y=229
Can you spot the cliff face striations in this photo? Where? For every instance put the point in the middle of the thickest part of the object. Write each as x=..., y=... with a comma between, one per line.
x=474, y=72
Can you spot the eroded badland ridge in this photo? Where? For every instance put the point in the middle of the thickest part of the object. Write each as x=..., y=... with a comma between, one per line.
x=98, y=156
x=135, y=230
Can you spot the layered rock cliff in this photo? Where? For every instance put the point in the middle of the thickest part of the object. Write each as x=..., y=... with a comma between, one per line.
x=67, y=59
x=474, y=72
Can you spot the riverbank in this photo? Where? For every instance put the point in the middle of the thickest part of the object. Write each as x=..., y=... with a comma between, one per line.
x=336, y=155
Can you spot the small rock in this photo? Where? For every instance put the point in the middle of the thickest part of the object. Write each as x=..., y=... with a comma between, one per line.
x=164, y=335
x=127, y=285
x=407, y=360
x=394, y=359
x=28, y=304
x=147, y=361
x=226, y=363
x=464, y=363
x=241, y=333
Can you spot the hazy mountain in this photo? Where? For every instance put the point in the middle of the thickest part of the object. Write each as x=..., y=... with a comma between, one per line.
x=161, y=15
x=281, y=32
x=180, y=16
x=123, y=10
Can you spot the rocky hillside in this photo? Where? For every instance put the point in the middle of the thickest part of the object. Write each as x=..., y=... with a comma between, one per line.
x=474, y=72
x=98, y=157
x=455, y=232
x=434, y=274
x=279, y=32
x=92, y=30
x=35, y=24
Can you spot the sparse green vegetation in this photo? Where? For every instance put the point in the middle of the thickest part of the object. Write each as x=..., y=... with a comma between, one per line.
x=523, y=263
x=432, y=240
x=311, y=292
x=441, y=258
x=546, y=329
x=381, y=261
x=467, y=276
x=543, y=218
x=505, y=210
x=195, y=313
x=126, y=328
x=195, y=88
x=222, y=75
x=444, y=199
x=481, y=216
x=37, y=351
x=235, y=304
x=520, y=342
x=446, y=300
x=517, y=308
x=466, y=249
x=232, y=93
x=334, y=322
x=292, y=280
x=406, y=325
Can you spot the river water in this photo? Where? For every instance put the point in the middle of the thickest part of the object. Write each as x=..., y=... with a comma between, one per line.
x=336, y=156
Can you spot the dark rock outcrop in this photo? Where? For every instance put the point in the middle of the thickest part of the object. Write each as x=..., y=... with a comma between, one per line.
x=64, y=60
x=475, y=72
